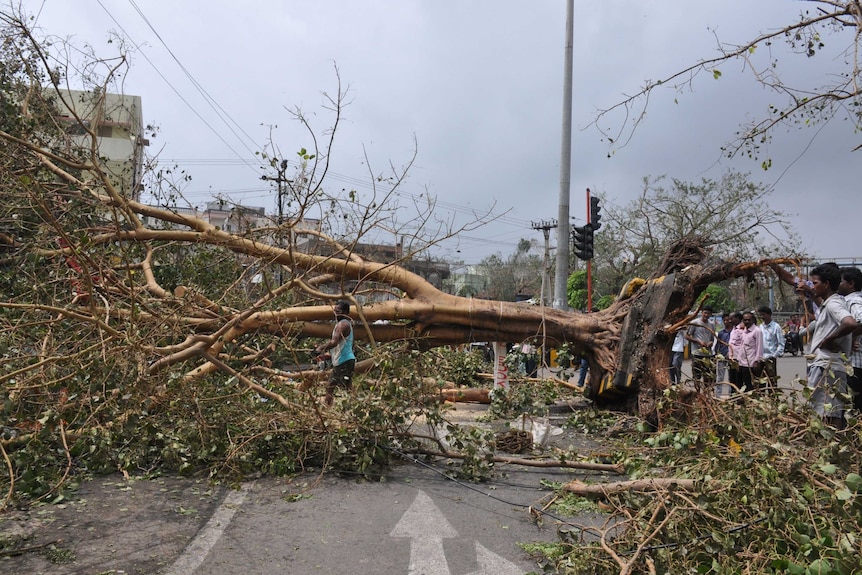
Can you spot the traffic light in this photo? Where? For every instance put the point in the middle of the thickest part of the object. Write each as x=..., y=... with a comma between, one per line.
x=595, y=215
x=583, y=238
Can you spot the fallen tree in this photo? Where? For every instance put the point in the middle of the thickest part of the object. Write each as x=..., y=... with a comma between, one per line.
x=139, y=332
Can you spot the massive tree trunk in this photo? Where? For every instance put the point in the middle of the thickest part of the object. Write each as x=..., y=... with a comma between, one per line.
x=626, y=344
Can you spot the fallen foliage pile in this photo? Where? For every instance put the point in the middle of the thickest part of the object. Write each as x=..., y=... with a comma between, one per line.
x=753, y=485
x=68, y=420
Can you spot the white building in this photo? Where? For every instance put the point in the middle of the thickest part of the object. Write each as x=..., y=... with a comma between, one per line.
x=116, y=120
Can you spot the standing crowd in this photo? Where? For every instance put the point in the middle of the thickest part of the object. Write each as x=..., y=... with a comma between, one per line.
x=744, y=353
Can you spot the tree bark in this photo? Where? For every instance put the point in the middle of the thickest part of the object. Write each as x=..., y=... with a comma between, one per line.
x=466, y=395
x=640, y=485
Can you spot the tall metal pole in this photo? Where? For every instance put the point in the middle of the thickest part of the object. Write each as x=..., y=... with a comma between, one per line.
x=563, y=226
x=282, y=170
x=589, y=262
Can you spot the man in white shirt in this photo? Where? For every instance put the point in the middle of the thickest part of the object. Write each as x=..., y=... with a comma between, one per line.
x=831, y=339
x=773, y=344
x=849, y=287
x=677, y=354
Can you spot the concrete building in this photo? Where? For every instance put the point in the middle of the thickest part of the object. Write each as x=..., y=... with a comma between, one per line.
x=117, y=122
x=235, y=218
x=243, y=220
x=468, y=283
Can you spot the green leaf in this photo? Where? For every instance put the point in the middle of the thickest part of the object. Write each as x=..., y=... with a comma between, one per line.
x=716, y=74
x=820, y=567
x=854, y=482
x=847, y=542
x=828, y=468
x=843, y=494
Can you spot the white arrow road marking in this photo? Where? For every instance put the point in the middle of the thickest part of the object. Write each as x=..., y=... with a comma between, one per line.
x=427, y=527
x=205, y=540
x=492, y=564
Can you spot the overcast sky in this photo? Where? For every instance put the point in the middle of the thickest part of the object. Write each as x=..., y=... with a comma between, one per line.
x=478, y=83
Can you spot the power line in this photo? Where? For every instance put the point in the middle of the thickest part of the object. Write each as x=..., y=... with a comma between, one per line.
x=171, y=86
x=214, y=105
x=361, y=183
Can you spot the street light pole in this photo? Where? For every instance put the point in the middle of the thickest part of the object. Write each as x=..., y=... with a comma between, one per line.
x=562, y=267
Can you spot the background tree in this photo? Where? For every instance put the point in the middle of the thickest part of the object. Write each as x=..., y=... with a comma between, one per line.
x=576, y=288
x=733, y=212
x=803, y=102
x=719, y=298
x=518, y=275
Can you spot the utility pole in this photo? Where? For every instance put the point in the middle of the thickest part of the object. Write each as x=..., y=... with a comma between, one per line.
x=280, y=180
x=562, y=268
x=546, y=226
x=591, y=231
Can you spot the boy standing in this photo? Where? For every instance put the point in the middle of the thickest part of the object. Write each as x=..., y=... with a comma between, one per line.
x=773, y=344
x=746, y=350
x=723, y=369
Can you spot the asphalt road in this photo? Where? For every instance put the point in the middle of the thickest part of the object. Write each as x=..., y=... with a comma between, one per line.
x=415, y=522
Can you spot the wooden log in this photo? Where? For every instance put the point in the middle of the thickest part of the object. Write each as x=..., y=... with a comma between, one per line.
x=613, y=468
x=563, y=383
x=477, y=395
x=640, y=485
x=556, y=380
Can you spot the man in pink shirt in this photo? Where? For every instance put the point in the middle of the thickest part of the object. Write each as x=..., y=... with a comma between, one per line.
x=746, y=348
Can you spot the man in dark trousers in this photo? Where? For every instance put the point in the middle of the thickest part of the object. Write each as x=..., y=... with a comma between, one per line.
x=773, y=344
x=831, y=342
x=701, y=336
x=341, y=344
x=851, y=288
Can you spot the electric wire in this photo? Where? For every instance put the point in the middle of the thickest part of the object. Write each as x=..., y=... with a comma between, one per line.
x=171, y=86
x=39, y=13
x=223, y=115
x=452, y=206
x=227, y=120
x=528, y=508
